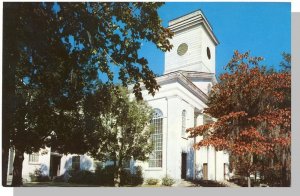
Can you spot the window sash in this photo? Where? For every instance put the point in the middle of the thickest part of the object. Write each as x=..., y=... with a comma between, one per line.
x=34, y=158
x=155, y=159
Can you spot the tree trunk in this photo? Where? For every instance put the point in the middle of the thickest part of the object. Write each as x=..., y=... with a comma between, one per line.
x=117, y=179
x=249, y=181
x=10, y=59
x=249, y=174
x=5, y=153
x=118, y=171
x=284, y=170
x=18, y=166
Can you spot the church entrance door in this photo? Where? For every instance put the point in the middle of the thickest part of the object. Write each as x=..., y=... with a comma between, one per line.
x=183, y=165
x=54, y=165
x=205, y=171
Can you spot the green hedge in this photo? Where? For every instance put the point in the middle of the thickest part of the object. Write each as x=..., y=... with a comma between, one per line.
x=132, y=179
x=38, y=176
x=105, y=177
x=83, y=177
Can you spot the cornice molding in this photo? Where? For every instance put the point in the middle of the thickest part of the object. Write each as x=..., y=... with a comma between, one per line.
x=200, y=75
x=181, y=77
x=184, y=78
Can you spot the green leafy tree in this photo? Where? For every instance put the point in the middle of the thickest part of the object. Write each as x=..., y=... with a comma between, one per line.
x=120, y=130
x=54, y=54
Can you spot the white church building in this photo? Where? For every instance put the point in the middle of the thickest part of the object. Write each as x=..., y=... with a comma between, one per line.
x=189, y=74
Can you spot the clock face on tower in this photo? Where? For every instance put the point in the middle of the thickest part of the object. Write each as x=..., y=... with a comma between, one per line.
x=182, y=49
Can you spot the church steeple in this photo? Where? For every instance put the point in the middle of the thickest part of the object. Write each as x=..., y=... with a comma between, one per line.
x=194, y=44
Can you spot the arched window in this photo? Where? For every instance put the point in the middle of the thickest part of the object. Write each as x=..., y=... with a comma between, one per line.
x=155, y=159
x=183, y=123
x=157, y=113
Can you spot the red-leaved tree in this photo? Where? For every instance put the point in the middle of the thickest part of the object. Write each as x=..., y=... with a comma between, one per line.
x=252, y=105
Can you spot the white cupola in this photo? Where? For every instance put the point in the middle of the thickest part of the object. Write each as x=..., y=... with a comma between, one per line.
x=194, y=45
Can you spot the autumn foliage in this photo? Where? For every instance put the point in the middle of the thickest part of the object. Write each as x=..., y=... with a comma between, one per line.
x=252, y=110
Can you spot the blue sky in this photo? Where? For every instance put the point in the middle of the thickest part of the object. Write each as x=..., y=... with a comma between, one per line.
x=262, y=28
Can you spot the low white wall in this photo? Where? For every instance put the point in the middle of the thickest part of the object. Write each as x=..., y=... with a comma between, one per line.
x=43, y=164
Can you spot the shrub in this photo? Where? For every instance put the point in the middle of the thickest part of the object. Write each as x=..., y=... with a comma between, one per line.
x=152, y=181
x=209, y=183
x=83, y=177
x=105, y=176
x=167, y=181
x=43, y=178
x=33, y=178
x=272, y=177
x=137, y=178
x=127, y=178
x=102, y=176
x=38, y=176
x=59, y=179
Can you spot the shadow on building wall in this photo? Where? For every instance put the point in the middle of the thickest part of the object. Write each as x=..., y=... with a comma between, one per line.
x=85, y=163
x=190, y=163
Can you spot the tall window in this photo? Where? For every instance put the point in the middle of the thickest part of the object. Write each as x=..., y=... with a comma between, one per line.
x=183, y=123
x=155, y=159
x=34, y=158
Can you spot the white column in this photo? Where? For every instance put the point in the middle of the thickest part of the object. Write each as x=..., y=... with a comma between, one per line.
x=199, y=154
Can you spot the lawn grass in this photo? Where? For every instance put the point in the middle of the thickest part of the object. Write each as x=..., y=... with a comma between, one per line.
x=208, y=183
x=56, y=184
x=66, y=184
